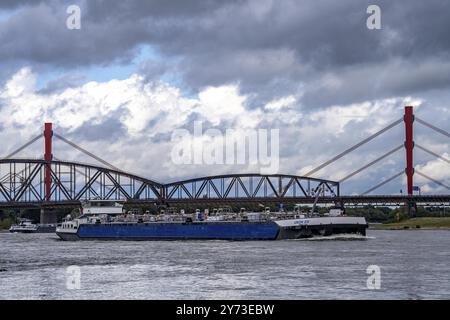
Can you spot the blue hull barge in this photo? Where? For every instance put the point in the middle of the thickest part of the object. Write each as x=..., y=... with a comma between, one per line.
x=103, y=221
x=175, y=231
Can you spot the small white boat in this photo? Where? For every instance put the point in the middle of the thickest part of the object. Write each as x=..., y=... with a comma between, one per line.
x=24, y=226
x=27, y=226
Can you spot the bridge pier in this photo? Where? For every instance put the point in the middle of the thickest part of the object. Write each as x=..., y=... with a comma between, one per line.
x=47, y=216
x=411, y=208
x=339, y=204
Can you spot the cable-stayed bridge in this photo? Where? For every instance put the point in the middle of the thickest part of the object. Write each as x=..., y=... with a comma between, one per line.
x=49, y=182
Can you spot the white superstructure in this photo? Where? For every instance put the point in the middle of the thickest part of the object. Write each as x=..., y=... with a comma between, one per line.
x=317, y=221
x=92, y=211
x=24, y=225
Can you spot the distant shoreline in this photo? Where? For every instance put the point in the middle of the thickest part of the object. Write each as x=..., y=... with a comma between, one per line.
x=432, y=223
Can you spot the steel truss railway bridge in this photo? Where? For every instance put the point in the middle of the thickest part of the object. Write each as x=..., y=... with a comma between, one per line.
x=49, y=182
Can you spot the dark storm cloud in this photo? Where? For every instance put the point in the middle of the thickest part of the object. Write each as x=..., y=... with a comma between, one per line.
x=62, y=83
x=154, y=70
x=107, y=9
x=38, y=34
x=109, y=129
x=12, y=4
x=345, y=85
x=268, y=47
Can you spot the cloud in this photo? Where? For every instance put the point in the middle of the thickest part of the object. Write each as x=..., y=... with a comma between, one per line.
x=130, y=122
x=393, y=78
x=269, y=47
x=435, y=169
x=120, y=115
x=61, y=83
x=11, y=4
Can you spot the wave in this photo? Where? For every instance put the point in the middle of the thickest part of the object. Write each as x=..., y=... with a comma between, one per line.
x=339, y=237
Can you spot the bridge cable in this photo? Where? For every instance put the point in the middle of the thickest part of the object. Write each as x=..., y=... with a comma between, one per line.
x=383, y=183
x=429, y=125
x=8, y=176
x=356, y=146
x=12, y=154
x=371, y=163
x=432, y=180
x=90, y=154
x=433, y=154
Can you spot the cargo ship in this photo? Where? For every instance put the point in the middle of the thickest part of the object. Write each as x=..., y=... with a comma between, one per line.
x=106, y=220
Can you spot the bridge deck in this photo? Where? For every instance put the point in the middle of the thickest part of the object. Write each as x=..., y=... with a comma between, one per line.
x=377, y=200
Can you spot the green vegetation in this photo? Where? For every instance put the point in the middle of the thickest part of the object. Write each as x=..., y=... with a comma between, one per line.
x=415, y=223
x=6, y=223
x=7, y=218
x=392, y=215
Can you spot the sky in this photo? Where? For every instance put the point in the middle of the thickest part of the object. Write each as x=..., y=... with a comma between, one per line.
x=135, y=72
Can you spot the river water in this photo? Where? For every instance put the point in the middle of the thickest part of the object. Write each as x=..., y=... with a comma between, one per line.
x=414, y=264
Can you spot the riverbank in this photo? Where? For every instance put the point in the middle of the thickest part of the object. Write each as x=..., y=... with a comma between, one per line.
x=415, y=223
x=5, y=224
